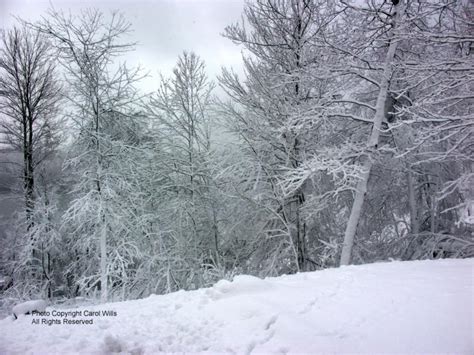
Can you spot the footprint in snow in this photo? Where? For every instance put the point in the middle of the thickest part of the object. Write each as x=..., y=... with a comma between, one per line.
x=271, y=322
x=308, y=307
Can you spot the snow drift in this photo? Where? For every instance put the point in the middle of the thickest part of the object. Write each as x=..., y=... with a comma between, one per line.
x=29, y=307
x=401, y=307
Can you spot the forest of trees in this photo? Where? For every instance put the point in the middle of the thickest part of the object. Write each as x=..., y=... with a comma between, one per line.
x=348, y=140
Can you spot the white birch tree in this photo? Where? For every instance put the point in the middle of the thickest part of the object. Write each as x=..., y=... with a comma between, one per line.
x=373, y=141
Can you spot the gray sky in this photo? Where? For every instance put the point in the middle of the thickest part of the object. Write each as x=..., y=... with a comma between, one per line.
x=163, y=28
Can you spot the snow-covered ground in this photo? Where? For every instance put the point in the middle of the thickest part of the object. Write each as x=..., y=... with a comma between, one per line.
x=399, y=307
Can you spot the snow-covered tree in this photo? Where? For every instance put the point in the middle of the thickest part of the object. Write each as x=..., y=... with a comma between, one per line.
x=275, y=111
x=29, y=97
x=365, y=73
x=181, y=109
x=104, y=154
x=394, y=20
x=29, y=127
x=400, y=50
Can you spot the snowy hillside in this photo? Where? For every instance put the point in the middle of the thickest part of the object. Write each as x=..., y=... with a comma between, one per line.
x=402, y=307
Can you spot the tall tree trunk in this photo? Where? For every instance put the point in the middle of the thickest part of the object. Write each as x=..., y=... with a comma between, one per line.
x=414, y=225
x=102, y=221
x=300, y=225
x=30, y=181
x=372, y=143
x=215, y=229
x=301, y=234
x=103, y=262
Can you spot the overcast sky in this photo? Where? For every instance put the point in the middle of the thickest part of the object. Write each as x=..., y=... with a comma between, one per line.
x=163, y=28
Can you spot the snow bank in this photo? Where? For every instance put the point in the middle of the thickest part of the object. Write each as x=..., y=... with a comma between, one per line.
x=399, y=307
x=28, y=307
x=242, y=284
